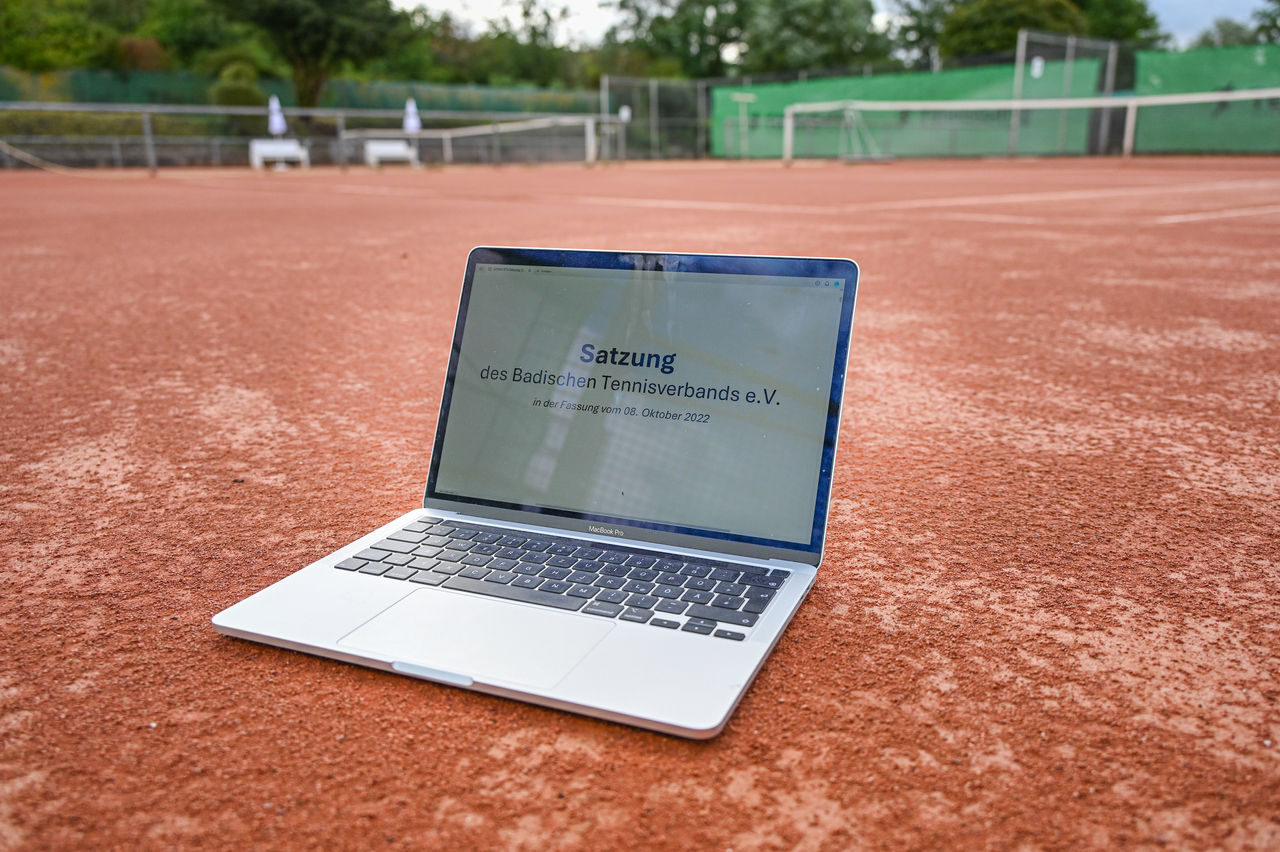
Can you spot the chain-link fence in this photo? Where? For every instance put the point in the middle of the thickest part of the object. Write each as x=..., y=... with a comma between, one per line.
x=657, y=119
x=159, y=136
x=650, y=119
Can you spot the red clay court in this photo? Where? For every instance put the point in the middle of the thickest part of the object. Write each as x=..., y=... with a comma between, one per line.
x=1047, y=617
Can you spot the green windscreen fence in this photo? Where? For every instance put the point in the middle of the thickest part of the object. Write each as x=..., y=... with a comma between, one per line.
x=154, y=87
x=1251, y=126
x=747, y=121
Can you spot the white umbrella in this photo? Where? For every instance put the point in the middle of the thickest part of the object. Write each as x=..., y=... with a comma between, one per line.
x=412, y=121
x=275, y=117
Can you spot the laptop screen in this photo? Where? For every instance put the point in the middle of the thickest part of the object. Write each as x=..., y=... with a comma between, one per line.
x=693, y=394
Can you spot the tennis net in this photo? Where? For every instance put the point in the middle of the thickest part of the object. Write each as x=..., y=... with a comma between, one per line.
x=1246, y=121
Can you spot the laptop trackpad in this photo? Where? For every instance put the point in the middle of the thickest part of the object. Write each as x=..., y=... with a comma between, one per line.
x=470, y=637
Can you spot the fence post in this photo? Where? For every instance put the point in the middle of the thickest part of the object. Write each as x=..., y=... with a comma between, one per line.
x=788, y=135
x=702, y=143
x=1130, y=124
x=1108, y=87
x=589, y=127
x=342, y=141
x=1066, y=93
x=653, y=118
x=148, y=143
x=744, y=132
x=1017, y=91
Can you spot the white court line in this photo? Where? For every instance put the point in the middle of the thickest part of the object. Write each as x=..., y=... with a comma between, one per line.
x=681, y=204
x=1065, y=195
x=926, y=203
x=1233, y=213
x=266, y=184
x=819, y=209
x=995, y=218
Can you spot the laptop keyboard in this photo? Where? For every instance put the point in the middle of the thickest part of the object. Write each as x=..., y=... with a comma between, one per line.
x=692, y=595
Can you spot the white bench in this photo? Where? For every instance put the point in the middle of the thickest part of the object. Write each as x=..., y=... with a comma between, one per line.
x=279, y=150
x=376, y=151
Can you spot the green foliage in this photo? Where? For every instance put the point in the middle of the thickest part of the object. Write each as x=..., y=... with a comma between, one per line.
x=991, y=26
x=632, y=60
x=919, y=28
x=250, y=52
x=1226, y=32
x=238, y=86
x=130, y=53
x=43, y=35
x=1267, y=19
x=123, y=16
x=312, y=41
x=703, y=36
x=105, y=124
x=189, y=28
x=525, y=51
x=414, y=54
x=315, y=37
x=793, y=35
x=1122, y=20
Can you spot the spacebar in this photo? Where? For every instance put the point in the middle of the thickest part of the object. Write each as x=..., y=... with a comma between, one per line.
x=513, y=593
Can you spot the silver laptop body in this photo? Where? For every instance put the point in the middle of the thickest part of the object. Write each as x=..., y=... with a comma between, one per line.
x=627, y=498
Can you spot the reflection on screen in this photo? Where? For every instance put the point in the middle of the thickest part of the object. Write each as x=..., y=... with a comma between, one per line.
x=690, y=399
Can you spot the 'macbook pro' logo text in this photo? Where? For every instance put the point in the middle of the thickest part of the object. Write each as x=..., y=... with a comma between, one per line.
x=604, y=530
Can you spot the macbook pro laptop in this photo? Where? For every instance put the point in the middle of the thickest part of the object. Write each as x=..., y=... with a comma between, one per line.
x=627, y=495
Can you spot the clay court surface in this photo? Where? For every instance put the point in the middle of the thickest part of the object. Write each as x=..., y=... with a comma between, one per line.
x=1047, y=617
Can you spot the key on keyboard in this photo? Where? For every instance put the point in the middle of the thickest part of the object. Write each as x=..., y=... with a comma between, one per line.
x=626, y=584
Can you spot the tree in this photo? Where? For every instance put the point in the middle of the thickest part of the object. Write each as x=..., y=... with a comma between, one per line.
x=918, y=30
x=991, y=26
x=792, y=35
x=704, y=36
x=123, y=16
x=315, y=37
x=1268, y=20
x=43, y=35
x=1122, y=20
x=130, y=53
x=525, y=51
x=188, y=28
x=1226, y=32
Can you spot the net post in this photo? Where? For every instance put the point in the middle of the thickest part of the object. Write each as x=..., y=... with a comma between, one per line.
x=149, y=143
x=788, y=135
x=1130, y=125
x=447, y=148
x=589, y=129
x=1019, y=61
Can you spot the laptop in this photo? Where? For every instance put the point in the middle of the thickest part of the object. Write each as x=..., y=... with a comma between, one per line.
x=627, y=495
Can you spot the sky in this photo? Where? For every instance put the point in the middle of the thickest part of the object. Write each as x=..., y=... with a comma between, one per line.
x=587, y=22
